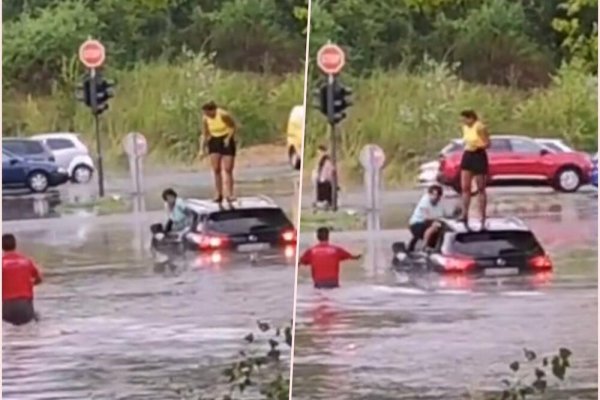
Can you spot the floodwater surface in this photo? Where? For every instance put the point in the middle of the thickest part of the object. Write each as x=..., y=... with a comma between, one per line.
x=450, y=338
x=113, y=326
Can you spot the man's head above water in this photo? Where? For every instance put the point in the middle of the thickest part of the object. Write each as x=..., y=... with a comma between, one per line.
x=323, y=234
x=9, y=242
x=169, y=196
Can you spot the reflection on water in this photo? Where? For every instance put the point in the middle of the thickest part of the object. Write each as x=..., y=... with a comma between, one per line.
x=115, y=327
x=441, y=337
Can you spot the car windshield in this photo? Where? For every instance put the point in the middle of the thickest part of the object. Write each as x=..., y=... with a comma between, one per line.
x=452, y=147
x=23, y=146
x=494, y=244
x=245, y=221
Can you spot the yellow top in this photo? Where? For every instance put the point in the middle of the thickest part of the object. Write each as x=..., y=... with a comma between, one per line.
x=472, y=138
x=217, y=126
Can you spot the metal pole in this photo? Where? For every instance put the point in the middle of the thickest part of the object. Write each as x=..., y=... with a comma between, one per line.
x=333, y=138
x=94, y=104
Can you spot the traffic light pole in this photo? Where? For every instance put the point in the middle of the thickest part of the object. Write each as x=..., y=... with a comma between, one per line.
x=333, y=137
x=94, y=106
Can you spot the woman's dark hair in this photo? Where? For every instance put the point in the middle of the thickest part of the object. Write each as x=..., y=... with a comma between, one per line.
x=9, y=242
x=322, y=147
x=168, y=192
x=210, y=106
x=436, y=189
x=469, y=114
x=323, y=234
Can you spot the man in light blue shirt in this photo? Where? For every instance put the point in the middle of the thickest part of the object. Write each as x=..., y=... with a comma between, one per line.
x=178, y=214
x=423, y=222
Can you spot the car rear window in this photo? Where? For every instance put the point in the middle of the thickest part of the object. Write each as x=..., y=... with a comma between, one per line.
x=247, y=220
x=60, y=144
x=24, y=146
x=494, y=244
x=452, y=147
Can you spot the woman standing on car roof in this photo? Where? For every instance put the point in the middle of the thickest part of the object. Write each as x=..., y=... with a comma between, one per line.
x=474, y=163
x=218, y=138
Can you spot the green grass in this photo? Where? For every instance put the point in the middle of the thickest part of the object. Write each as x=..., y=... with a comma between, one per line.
x=100, y=206
x=338, y=221
x=163, y=102
x=413, y=115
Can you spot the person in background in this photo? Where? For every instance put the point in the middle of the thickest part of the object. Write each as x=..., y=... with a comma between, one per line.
x=19, y=275
x=177, y=211
x=324, y=259
x=423, y=222
x=218, y=138
x=474, y=164
x=323, y=178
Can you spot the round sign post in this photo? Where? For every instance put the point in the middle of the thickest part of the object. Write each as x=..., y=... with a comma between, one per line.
x=136, y=147
x=331, y=59
x=92, y=54
x=372, y=159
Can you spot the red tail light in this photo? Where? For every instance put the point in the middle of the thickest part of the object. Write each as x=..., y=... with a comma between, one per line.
x=541, y=262
x=457, y=264
x=210, y=241
x=289, y=236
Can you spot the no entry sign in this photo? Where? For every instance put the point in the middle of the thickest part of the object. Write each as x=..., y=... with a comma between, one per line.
x=372, y=157
x=331, y=59
x=135, y=144
x=92, y=54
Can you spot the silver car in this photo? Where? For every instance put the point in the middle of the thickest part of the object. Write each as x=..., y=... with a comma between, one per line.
x=70, y=153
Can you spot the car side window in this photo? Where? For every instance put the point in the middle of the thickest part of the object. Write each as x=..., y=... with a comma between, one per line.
x=5, y=158
x=499, y=145
x=525, y=146
x=60, y=144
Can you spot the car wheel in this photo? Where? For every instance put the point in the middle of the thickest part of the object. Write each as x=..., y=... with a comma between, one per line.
x=82, y=174
x=567, y=179
x=38, y=182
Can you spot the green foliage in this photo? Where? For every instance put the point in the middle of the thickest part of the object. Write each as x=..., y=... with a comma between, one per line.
x=579, y=27
x=531, y=376
x=246, y=35
x=163, y=102
x=413, y=115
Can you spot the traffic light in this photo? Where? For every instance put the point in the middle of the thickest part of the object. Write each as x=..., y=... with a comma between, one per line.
x=102, y=88
x=83, y=93
x=104, y=92
x=341, y=101
x=321, y=98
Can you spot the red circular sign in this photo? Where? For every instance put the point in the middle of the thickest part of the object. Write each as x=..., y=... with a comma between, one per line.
x=331, y=59
x=92, y=54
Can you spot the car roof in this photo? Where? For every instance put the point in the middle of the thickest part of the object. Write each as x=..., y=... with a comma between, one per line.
x=202, y=206
x=56, y=135
x=495, y=224
x=17, y=139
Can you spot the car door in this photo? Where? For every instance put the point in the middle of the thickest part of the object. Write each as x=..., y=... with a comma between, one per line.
x=499, y=158
x=63, y=149
x=13, y=170
x=527, y=159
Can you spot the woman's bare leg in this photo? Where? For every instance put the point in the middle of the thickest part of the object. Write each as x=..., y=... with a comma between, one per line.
x=466, y=177
x=228, y=165
x=215, y=163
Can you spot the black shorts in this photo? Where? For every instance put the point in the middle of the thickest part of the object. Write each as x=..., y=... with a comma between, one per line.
x=324, y=192
x=216, y=145
x=18, y=311
x=475, y=162
x=418, y=229
x=327, y=285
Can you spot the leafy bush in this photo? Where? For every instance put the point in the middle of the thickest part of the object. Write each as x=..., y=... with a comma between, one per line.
x=163, y=102
x=412, y=115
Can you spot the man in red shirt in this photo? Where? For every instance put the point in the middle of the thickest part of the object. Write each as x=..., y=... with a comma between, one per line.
x=19, y=275
x=324, y=259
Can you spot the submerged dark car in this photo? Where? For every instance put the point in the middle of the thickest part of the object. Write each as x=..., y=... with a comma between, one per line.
x=251, y=224
x=505, y=247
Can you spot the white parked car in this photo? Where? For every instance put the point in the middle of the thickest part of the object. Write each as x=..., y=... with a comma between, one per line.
x=428, y=171
x=70, y=153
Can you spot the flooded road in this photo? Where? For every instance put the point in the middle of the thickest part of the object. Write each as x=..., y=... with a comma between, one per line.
x=452, y=338
x=115, y=327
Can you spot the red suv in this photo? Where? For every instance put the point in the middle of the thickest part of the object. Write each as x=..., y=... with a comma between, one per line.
x=518, y=160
